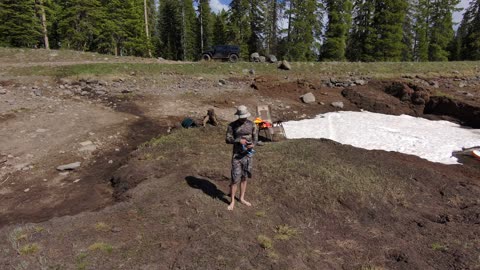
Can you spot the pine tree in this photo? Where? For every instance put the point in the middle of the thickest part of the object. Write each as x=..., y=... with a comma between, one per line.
x=79, y=23
x=238, y=29
x=257, y=26
x=468, y=34
x=20, y=26
x=171, y=30
x=433, y=28
x=304, y=30
x=138, y=42
x=220, y=28
x=408, y=33
x=360, y=45
x=339, y=20
x=205, y=24
x=113, y=29
x=388, y=22
x=272, y=14
x=441, y=30
x=189, y=36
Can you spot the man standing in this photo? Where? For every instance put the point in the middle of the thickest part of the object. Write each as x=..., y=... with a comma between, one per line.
x=243, y=134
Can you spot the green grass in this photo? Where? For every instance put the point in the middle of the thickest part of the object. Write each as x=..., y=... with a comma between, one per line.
x=285, y=232
x=29, y=249
x=142, y=66
x=101, y=247
x=102, y=227
x=265, y=242
x=81, y=261
x=289, y=168
x=438, y=247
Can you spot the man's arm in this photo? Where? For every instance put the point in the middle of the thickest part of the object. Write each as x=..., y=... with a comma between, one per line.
x=230, y=138
x=255, y=134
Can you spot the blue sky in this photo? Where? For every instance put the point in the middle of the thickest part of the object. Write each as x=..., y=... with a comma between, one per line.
x=217, y=5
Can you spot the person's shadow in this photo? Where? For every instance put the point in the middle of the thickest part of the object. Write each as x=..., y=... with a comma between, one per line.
x=207, y=187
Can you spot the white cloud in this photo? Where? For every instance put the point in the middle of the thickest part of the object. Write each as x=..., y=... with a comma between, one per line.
x=217, y=6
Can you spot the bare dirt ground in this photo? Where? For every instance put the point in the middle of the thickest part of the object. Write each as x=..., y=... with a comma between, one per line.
x=150, y=195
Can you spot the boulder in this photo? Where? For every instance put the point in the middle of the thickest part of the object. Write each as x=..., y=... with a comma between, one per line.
x=360, y=82
x=255, y=57
x=285, y=65
x=308, y=98
x=67, y=167
x=272, y=58
x=338, y=105
x=263, y=59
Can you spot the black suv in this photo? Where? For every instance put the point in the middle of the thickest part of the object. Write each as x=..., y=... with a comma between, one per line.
x=229, y=52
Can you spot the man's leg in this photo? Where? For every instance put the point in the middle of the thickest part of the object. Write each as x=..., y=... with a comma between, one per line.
x=243, y=189
x=233, y=190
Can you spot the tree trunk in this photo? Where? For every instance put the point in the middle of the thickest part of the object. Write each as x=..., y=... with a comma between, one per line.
x=44, y=25
x=184, y=36
x=146, y=27
x=201, y=25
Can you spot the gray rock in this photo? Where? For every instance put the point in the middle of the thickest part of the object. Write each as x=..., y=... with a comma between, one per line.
x=360, y=82
x=37, y=92
x=127, y=91
x=255, y=57
x=67, y=92
x=434, y=84
x=68, y=167
x=308, y=98
x=92, y=81
x=3, y=91
x=462, y=85
x=263, y=59
x=338, y=105
x=88, y=148
x=272, y=58
x=84, y=93
x=64, y=81
x=222, y=81
x=251, y=72
x=285, y=65
x=103, y=83
x=87, y=88
x=100, y=92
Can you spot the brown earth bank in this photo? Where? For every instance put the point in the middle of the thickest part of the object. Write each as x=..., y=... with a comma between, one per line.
x=150, y=195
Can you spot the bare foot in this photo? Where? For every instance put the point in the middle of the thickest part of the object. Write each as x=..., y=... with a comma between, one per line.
x=231, y=206
x=245, y=202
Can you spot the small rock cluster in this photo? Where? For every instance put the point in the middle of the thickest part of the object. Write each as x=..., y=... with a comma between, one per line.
x=333, y=82
x=83, y=87
x=256, y=57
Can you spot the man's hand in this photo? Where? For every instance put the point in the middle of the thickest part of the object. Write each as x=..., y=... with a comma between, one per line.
x=243, y=141
x=250, y=146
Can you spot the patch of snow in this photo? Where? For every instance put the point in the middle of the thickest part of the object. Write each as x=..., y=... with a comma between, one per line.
x=431, y=140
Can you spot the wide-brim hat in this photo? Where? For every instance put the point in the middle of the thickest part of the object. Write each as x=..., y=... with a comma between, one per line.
x=242, y=112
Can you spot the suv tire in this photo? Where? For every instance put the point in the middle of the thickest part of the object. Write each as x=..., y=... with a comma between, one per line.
x=206, y=57
x=233, y=58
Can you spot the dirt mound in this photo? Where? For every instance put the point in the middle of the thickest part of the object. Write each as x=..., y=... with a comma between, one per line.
x=468, y=114
x=370, y=99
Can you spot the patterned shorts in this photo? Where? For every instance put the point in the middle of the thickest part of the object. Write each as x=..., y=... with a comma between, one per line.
x=241, y=168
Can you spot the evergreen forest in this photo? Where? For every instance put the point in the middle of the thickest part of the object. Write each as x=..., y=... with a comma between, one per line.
x=296, y=30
